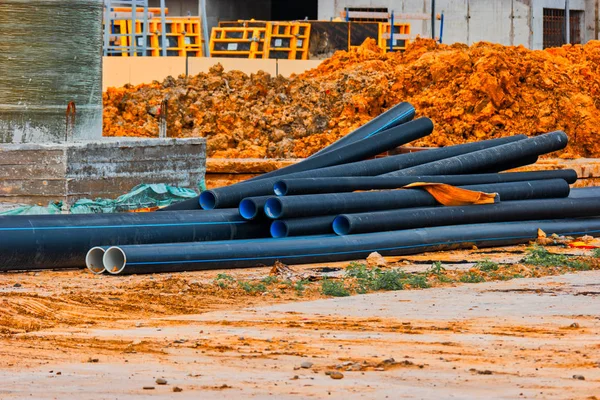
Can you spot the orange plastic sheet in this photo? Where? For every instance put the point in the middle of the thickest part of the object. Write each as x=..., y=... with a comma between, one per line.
x=449, y=195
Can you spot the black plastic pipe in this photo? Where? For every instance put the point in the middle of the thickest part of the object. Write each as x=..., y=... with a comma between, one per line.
x=485, y=159
x=397, y=115
x=230, y=196
x=337, y=203
x=526, y=210
x=291, y=186
x=578, y=193
x=360, y=150
x=316, y=249
x=62, y=241
x=506, y=166
x=302, y=226
x=253, y=207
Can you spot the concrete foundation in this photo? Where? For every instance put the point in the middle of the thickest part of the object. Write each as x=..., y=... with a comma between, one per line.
x=39, y=173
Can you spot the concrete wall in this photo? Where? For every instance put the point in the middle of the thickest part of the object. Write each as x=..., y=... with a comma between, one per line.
x=509, y=22
x=232, y=10
x=39, y=173
x=118, y=71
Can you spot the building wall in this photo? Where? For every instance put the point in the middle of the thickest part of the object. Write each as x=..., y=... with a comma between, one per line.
x=179, y=8
x=509, y=22
x=231, y=10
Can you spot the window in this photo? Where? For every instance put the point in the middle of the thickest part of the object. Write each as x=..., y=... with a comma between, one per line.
x=554, y=27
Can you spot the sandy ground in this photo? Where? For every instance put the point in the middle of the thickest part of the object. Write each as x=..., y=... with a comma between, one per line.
x=72, y=334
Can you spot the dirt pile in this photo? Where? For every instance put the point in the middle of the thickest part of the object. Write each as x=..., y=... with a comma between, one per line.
x=471, y=93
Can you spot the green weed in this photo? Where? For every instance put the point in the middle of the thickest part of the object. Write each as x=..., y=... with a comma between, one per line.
x=224, y=280
x=541, y=257
x=418, y=281
x=472, y=277
x=252, y=288
x=269, y=280
x=300, y=286
x=334, y=288
x=437, y=269
x=487, y=266
x=389, y=280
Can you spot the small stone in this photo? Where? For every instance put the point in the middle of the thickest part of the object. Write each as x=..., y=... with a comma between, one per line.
x=485, y=372
x=177, y=389
x=241, y=338
x=17, y=285
x=389, y=361
x=59, y=373
x=306, y=364
x=376, y=260
x=161, y=381
x=574, y=325
x=294, y=378
x=148, y=388
x=379, y=369
x=336, y=375
x=579, y=377
x=92, y=360
x=327, y=372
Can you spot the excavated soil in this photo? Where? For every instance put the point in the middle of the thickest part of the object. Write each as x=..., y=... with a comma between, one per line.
x=471, y=93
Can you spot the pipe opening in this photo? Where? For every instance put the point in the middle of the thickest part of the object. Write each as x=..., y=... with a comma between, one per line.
x=93, y=260
x=341, y=225
x=279, y=229
x=114, y=260
x=280, y=188
x=248, y=209
x=273, y=208
x=208, y=201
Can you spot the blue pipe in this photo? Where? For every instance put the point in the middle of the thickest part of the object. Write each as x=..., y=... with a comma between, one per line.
x=337, y=203
x=315, y=249
x=525, y=210
x=61, y=241
x=230, y=196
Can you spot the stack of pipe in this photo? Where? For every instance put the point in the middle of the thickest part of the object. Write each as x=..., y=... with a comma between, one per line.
x=339, y=204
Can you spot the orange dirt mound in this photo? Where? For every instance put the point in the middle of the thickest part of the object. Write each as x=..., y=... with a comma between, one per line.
x=471, y=93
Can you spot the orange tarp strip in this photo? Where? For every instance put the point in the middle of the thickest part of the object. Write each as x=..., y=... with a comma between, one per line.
x=449, y=195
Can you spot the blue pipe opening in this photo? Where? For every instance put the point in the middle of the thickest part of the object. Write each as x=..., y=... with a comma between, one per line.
x=279, y=229
x=207, y=200
x=341, y=225
x=248, y=209
x=273, y=208
x=280, y=188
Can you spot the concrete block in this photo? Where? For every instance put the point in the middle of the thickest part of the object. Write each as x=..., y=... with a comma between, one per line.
x=38, y=173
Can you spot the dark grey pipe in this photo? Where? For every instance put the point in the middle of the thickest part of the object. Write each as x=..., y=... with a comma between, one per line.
x=506, y=166
x=299, y=186
x=363, y=149
x=397, y=115
x=230, y=196
x=302, y=226
x=62, y=241
x=488, y=158
x=337, y=203
x=315, y=249
x=526, y=210
x=578, y=193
